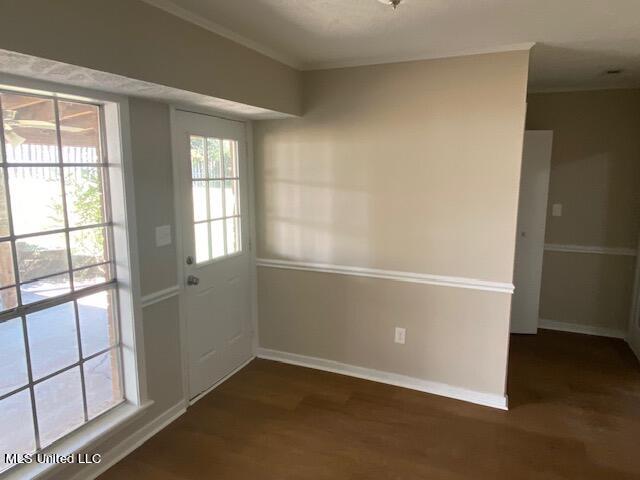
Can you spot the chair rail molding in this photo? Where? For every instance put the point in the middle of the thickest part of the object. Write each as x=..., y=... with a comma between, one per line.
x=595, y=249
x=411, y=277
x=160, y=295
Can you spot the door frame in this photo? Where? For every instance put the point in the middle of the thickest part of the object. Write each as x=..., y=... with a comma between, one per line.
x=632, y=336
x=531, y=133
x=180, y=223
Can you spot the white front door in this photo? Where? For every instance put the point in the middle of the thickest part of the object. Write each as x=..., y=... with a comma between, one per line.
x=532, y=217
x=211, y=154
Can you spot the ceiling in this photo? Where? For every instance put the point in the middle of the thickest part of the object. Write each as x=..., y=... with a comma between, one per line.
x=576, y=40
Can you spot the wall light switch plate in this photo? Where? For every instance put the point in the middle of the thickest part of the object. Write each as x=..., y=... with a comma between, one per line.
x=401, y=333
x=556, y=210
x=163, y=236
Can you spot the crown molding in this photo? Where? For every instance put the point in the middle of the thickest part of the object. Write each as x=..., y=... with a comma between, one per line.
x=171, y=7
x=533, y=90
x=516, y=47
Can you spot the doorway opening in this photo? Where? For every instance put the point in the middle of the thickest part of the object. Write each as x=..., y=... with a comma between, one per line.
x=574, y=319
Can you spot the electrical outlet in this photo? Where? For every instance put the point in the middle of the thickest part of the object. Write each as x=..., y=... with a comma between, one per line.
x=556, y=210
x=400, y=335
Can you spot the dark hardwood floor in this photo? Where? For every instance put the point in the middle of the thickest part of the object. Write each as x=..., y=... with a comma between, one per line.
x=575, y=414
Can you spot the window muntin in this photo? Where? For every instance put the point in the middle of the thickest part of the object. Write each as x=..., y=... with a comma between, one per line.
x=215, y=187
x=60, y=354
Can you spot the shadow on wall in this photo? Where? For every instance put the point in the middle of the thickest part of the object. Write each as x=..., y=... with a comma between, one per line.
x=417, y=181
x=295, y=186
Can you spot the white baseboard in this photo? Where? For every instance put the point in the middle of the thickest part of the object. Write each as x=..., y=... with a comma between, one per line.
x=584, y=329
x=436, y=388
x=129, y=444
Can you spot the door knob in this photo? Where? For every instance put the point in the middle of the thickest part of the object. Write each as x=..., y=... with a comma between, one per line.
x=192, y=280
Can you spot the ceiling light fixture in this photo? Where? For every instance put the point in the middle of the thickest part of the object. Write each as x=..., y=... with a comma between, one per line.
x=393, y=3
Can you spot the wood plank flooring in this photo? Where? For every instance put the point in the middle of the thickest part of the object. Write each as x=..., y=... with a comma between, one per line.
x=575, y=414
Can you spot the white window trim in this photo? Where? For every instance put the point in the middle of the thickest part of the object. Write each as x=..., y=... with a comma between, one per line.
x=118, y=150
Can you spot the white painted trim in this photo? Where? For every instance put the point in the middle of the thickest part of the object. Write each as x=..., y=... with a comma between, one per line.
x=177, y=207
x=633, y=328
x=436, y=388
x=120, y=156
x=252, y=239
x=78, y=442
x=583, y=329
x=221, y=381
x=556, y=247
x=129, y=444
x=411, y=277
x=517, y=47
x=174, y=9
x=533, y=90
x=160, y=295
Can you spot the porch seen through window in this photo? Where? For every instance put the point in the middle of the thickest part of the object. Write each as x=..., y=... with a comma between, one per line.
x=59, y=340
x=215, y=184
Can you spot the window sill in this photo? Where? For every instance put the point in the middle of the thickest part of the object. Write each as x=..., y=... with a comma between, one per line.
x=78, y=441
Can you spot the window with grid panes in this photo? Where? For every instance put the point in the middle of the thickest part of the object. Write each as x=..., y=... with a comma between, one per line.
x=60, y=358
x=215, y=184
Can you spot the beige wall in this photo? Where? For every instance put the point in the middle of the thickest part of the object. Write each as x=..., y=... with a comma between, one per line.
x=136, y=40
x=377, y=154
x=587, y=289
x=454, y=336
x=595, y=175
x=411, y=166
x=153, y=177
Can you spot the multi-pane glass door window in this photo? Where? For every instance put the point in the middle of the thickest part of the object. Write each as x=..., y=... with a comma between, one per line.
x=215, y=185
x=59, y=342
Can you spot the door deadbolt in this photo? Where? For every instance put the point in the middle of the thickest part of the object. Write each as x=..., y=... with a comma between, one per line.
x=189, y=260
